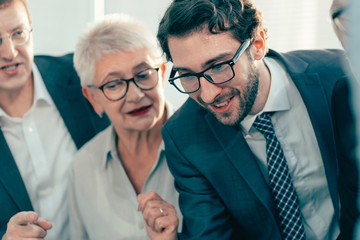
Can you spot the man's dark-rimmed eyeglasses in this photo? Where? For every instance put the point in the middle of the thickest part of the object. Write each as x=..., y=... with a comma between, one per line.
x=216, y=74
x=117, y=89
x=18, y=37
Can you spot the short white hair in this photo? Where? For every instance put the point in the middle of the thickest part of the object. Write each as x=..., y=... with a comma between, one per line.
x=114, y=33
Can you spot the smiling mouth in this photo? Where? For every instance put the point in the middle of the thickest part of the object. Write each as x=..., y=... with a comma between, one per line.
x=222, y=104
x=10, y=67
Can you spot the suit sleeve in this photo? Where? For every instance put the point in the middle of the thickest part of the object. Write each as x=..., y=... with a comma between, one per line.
x=204, y=214
x=2, y=232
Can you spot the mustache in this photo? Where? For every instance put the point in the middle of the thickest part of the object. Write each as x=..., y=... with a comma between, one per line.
x=221, y=98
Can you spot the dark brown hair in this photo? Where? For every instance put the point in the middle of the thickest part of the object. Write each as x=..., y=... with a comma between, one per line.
x=239, y=17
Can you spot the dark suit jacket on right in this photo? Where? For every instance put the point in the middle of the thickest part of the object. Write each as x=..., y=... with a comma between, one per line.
x=223, y=194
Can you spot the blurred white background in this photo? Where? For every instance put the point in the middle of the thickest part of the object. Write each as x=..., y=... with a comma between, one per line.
x=292, y=24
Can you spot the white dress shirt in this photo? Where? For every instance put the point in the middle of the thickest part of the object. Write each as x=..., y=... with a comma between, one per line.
x=103, y=201
x=294, y=130
x=43, y=150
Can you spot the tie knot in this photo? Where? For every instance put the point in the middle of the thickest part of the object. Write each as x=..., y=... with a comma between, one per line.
x=263, y=124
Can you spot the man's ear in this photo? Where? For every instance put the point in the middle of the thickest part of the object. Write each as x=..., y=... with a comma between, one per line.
x=90, y=96
x=259, y=44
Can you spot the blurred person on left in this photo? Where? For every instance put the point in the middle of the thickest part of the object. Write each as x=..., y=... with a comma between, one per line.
x=44, y=120
x=122, y=74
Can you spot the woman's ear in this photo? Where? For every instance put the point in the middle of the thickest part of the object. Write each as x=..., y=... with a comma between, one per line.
x=163, y=70
x=90, y=96
x=259, y=44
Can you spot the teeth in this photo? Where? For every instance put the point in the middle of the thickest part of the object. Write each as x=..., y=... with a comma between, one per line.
x=12, y=67
x=222, y=104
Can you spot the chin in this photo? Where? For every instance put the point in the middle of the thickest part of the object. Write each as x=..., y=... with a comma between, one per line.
x=146, y=126
x=227, y=118
x=227, y=121
x=232, y=118
x=17, y=86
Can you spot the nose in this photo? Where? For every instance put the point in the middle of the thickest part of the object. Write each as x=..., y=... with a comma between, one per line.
x=134, y=93
x=7, y=50
x=208, y=91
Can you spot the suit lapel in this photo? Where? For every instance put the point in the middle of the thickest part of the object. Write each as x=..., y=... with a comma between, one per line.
x=317, y=104
x=240, y=155
x=67, y=96
x=73, y=110
x=11, y=179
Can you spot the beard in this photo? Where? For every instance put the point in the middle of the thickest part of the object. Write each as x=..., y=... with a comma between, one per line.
x=246, y=99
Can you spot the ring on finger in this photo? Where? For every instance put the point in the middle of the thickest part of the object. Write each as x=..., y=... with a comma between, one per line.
x=161, y=211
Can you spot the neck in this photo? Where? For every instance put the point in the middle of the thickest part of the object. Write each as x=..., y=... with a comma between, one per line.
x=139, y=151
x=17, y=102
x=136, y=143
x=264, y=87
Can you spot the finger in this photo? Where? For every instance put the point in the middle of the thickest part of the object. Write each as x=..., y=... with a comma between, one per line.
x=24, y=218
x=162, y=211
x=145, y=198
x=17, y=229
x=151, y=214
x=166, y=223
x=44, y=223
x=158, y=208
x=36, y=231
x=159, y=226
x=154, y=209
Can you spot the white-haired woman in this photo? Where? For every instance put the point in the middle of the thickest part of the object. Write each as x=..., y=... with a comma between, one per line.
x=122, y=74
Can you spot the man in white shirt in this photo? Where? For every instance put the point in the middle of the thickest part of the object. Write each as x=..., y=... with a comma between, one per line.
x=44, y=119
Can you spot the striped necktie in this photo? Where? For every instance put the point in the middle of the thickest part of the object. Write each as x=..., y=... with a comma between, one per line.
x=283, y=190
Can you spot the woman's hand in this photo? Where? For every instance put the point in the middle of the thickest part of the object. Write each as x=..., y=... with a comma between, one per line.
x=159, y=216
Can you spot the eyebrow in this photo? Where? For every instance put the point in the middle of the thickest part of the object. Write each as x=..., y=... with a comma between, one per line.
x=20, y=26
x=104, y=80
x=206, y=64
x=141, y=65
x=119, y=74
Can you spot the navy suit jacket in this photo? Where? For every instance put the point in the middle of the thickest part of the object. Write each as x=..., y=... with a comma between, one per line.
x=223, y=194
x=63, y=84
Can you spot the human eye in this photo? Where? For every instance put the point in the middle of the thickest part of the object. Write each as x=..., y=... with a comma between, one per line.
x=114, y=85
x=18, y=34
x=187, y=77
x=144, y=75
x=184, y=76
x=218, y=68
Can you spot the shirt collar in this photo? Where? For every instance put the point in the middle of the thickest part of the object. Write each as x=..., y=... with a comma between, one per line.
x=110, y=144
x=40, y=91
x=278, y=99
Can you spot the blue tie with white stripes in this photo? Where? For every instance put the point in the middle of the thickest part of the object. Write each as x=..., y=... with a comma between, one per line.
x=283, y=190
